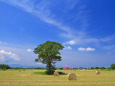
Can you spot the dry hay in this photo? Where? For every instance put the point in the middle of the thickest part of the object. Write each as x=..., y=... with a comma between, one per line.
x=97, y=72
x=19, y=70
x=71, y=76
x=56, y=73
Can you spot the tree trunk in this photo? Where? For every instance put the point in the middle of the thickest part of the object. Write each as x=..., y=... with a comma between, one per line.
x=50, y=68
x=49, y=65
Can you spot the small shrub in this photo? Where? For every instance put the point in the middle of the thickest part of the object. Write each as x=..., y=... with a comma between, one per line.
x=61, y=73
x=107, y=69
x=4, y=69
x=92, y=68
x=61, y=68
x=50, y=72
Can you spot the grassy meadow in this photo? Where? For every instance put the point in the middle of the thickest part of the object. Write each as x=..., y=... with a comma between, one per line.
x=28, y=78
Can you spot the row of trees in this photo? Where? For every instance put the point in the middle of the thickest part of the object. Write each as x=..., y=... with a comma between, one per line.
x=98, y=68
x=4, y=66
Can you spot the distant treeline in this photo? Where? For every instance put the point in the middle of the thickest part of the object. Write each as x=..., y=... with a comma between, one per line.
x=97, y=68
x=90, y=68
x=26, y=68
x=4, y=67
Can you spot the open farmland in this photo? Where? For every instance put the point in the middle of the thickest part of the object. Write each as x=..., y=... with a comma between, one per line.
x=84, y=78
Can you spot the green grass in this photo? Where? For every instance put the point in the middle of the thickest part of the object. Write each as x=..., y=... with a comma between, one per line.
x=30, y=78
x=40, y=73
x=44, y=73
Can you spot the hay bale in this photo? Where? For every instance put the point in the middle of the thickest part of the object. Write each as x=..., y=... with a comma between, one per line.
x=97, y=72
x=71, y=76
x=56, y=73
x=19, y=70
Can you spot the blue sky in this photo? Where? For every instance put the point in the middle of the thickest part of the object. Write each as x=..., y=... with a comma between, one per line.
x=85, y=27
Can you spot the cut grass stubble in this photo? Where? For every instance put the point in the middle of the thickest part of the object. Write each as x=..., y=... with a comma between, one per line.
x=38, y=78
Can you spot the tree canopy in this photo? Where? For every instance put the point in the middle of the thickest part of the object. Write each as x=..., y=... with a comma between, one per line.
x=112, y=66
x=4, y=66
x=48, y=53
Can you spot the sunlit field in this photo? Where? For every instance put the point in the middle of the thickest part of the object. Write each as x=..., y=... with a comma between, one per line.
x=28, y=78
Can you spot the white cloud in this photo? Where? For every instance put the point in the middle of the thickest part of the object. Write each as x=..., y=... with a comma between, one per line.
x=9, y=55
x=29, y=50
x=83, y=39
x=72, y=42
x=42, y=11
x=81, y=49
x=25, y=58
x=90, y=49
x=68, y=47
x=86, y=49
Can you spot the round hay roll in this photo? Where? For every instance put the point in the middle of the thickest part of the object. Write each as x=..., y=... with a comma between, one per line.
x=97, y=72
x=19, y=70
x=71, y=76
x=56, y=73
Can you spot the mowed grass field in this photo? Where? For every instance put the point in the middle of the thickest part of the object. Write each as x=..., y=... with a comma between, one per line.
x=84, y=78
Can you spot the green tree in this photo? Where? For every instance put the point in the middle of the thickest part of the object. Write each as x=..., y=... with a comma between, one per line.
x=112, y=66
x=48, y=53
x=4, y=66
x=103, y=68
x=96, y=67
x=92, y=68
